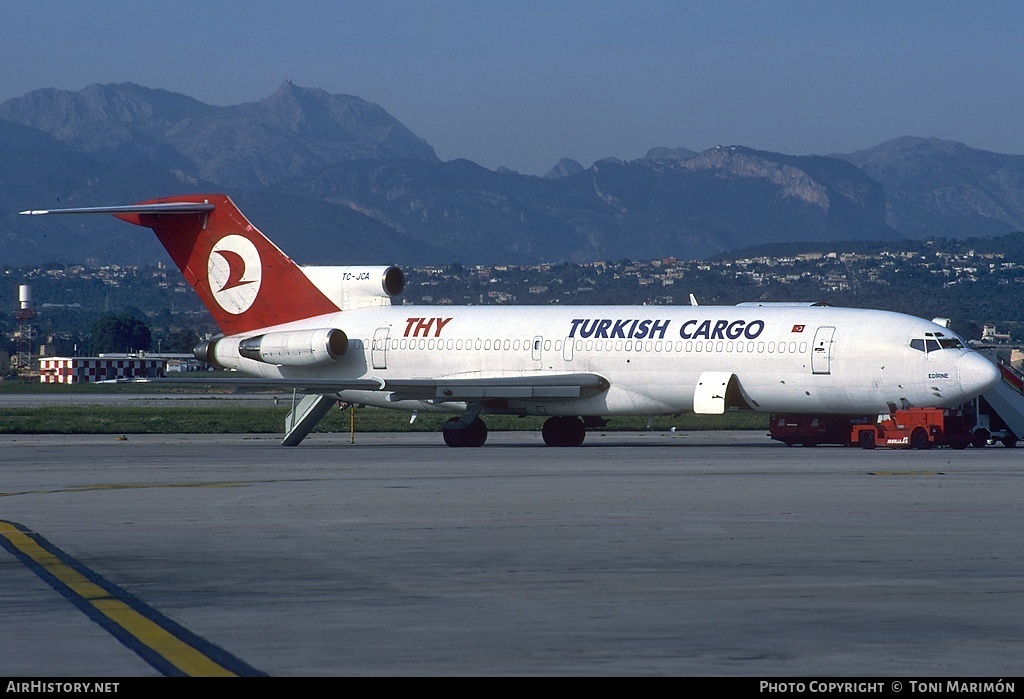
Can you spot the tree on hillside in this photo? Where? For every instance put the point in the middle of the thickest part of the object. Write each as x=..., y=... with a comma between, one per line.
x=120, y=333
x=180, y=340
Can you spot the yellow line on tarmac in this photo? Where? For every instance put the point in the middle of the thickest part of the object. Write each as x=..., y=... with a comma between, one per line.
x=98, y=602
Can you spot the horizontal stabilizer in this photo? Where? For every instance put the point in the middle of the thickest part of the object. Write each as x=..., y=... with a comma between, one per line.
x=178, y=207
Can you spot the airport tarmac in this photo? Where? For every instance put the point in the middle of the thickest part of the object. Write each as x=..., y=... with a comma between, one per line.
x=714, y=553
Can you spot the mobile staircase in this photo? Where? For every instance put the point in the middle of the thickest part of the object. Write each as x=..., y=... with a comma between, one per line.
x=1001, y=409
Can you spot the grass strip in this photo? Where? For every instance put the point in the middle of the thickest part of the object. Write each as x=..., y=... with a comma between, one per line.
x=234, y=420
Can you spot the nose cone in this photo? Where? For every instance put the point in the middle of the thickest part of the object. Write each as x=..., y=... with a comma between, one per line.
x=977, y=374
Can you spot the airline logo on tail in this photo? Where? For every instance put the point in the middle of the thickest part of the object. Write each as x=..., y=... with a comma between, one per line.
x=234, y=270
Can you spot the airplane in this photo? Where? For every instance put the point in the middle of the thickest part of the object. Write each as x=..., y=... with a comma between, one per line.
x=333, y=334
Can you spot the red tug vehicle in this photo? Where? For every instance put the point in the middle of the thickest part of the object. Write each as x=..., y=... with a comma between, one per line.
x=912, y=428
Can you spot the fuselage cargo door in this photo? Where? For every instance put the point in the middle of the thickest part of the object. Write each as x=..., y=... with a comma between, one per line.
x=379, y=350
x=821, y=350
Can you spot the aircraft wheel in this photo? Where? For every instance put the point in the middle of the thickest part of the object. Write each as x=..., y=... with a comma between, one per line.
x=453, y=437
x=563, y=432
x=979, y=438
x=552, y=432
x=919, y=439
x=575, y=431
x=473, y=436
x=866, y=439
x=476, y=433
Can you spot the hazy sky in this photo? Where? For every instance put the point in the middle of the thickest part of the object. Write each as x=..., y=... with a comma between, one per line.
x=522, y=83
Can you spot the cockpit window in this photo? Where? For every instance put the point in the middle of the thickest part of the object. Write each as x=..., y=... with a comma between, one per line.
x=931, y=345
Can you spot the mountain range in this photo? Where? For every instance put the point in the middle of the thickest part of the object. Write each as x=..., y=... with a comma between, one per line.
x=334, y=179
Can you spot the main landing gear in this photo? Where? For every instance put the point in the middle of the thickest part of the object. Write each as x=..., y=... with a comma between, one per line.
x=563, y=432
x=472, y=435
x=557, y=432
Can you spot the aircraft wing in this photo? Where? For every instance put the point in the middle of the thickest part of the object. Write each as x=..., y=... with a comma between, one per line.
x=481, y=388
x=442, y=390
x=322, y=386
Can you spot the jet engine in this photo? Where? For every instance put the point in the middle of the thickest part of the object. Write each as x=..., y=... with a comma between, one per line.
x=295, y=347
x=357, y=287
x=205, y=352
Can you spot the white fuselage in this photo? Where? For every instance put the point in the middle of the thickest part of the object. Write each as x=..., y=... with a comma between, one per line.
x=785, y=359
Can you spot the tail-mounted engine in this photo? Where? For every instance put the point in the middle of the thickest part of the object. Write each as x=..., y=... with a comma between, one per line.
x=357, y=287
x=291, y=348
x=295, y=347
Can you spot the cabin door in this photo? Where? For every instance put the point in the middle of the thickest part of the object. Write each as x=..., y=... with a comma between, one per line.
x=568, y=344
x=379, y=349
x=821, y=350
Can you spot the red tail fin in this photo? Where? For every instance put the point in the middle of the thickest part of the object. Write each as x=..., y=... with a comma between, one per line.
x=244, y=280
